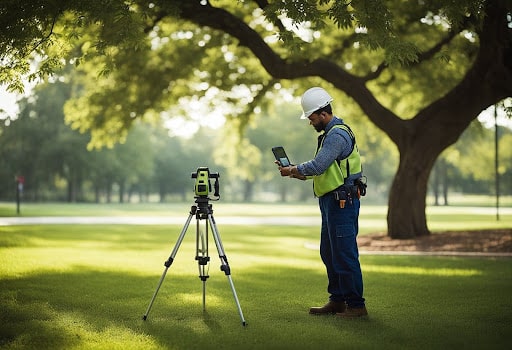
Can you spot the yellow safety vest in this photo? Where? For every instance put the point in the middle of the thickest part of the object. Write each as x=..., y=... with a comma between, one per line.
x=338, y=171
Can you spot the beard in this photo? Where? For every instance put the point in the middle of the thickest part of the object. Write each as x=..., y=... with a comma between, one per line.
x=319, y=127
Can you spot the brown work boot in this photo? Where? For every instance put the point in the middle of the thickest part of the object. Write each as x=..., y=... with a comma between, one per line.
x=352, y=312
x=331, y=307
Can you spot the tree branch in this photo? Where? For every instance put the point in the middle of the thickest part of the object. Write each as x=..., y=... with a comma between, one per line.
x=422, y=57
x=45, y=38
x=279, y=68
x=487, y=82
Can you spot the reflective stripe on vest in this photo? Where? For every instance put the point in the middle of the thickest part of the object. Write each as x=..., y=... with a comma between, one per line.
x=337, y=172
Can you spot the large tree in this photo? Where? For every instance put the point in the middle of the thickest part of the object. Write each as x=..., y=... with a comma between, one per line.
x=421, y=71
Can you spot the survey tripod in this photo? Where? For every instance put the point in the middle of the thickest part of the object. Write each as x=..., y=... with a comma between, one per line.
x=202, y=211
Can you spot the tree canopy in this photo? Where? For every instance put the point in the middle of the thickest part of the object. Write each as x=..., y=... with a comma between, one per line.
x=421, y=72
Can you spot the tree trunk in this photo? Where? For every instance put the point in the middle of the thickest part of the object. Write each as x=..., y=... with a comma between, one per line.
x=282, y=193
x=162, y=193
x=407, y=197
x=70, y=190
x=248, y=190
x=96, y=194
x=440, y=182
x=446, y=183
x=436, y=183
x=122, y=188
x=72, y=187
x=109, y=192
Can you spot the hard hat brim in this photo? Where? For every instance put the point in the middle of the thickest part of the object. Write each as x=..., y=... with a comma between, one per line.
x=304, y=116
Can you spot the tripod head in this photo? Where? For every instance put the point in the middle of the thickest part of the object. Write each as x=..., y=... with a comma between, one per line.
x=203, y=185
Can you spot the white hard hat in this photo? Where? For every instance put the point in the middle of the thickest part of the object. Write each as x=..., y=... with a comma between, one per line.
x=314, y=99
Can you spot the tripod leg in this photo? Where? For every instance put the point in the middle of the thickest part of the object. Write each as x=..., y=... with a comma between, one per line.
x=170, y=260
x=202, y=257
x=225, y=265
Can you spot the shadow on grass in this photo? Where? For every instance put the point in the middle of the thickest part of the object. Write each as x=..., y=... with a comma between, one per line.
x=86, y=308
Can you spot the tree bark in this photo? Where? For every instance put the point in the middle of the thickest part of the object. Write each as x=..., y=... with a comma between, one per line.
x=407, y=199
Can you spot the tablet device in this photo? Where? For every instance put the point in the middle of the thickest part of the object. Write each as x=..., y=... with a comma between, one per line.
x=281, y=156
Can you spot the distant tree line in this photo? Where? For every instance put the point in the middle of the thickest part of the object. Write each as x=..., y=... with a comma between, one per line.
x=153, y=166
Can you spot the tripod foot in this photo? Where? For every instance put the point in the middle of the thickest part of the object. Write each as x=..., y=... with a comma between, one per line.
x=144, y=317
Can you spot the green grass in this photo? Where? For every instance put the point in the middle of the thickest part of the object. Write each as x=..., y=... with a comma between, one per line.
x=87, y=287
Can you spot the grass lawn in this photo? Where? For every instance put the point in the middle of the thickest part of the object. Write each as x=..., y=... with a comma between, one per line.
x=87, y=287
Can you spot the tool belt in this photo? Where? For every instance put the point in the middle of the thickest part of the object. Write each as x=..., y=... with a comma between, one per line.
x=346, y=193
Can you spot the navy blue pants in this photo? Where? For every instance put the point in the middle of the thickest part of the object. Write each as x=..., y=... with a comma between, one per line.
x=339, y=252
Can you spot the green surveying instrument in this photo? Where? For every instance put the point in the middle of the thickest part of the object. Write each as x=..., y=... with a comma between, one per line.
x=203, y=185
x=202, y=211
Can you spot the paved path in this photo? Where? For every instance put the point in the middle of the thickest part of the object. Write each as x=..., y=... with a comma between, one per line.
x=159, y=220
x=224, y=220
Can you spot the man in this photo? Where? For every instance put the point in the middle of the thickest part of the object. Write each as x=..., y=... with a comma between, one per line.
x=336, y=172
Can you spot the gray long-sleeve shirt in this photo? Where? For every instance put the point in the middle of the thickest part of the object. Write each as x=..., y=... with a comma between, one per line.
x=336, y=145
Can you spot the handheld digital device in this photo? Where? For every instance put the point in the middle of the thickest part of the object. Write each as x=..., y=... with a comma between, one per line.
x=281, y=156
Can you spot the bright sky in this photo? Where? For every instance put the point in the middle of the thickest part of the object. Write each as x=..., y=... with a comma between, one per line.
x=487, y=117
x=8, y=103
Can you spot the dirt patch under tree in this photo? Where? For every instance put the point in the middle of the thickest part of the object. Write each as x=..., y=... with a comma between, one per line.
x=483, y=241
